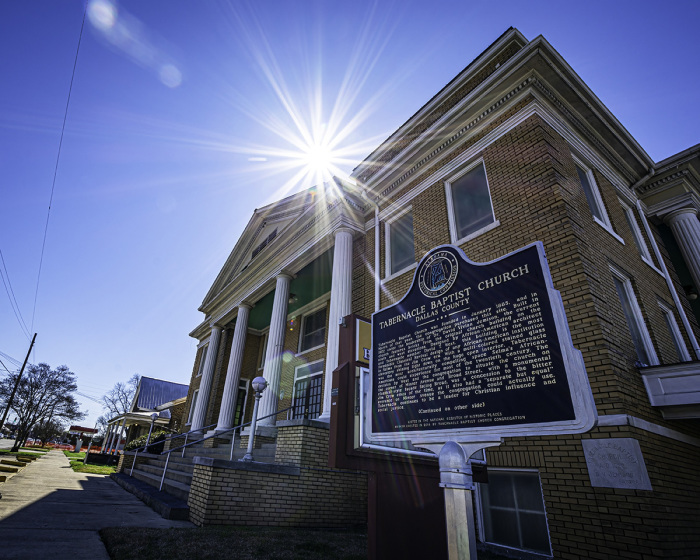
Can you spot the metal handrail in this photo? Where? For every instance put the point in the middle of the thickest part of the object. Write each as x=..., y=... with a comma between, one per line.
x=131, y=472
x=218, y=434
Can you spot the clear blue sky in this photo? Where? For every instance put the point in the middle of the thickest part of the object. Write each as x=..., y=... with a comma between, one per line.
x=177, y=131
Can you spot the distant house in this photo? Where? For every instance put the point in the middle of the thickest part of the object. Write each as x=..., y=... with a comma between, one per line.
x=164, y=398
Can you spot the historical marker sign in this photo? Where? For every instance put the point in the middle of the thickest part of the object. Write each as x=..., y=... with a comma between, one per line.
x=478, y=351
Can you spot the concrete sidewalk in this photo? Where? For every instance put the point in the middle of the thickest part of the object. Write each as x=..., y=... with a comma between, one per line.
x=49, y=511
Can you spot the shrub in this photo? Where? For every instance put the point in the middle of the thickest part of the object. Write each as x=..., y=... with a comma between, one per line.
x=155, y=446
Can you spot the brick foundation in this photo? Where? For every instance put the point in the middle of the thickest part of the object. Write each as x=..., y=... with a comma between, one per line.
x=302, y=492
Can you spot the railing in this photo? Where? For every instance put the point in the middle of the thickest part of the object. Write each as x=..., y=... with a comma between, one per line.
x=131, y=472
x=218, y=434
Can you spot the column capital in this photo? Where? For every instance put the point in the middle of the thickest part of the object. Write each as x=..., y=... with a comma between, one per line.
x=342, y=229
x=246, y=305
x=285, y=274
x=671, y=216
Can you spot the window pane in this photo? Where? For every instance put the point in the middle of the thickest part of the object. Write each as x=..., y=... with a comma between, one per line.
x=528, y=493
x=503, y=528
x=314, y=330
x=401, y=242
x=588, y=190
x=631, y=322
x=307, y=397
x=192, y=406
x=500, y=490
x=513, y=511
x=472, y=203
x=534, y=532
x=202, y=360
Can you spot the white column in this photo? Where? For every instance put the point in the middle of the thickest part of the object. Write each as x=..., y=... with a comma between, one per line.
x=233, y=373
x=200, y=409
x=118, y=439
x=275, y=348
x=686, y=229
x=341, y=305
x=108, y=434
x=112, y=433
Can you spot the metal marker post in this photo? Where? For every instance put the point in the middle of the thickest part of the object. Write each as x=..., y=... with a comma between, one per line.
x=456, y=479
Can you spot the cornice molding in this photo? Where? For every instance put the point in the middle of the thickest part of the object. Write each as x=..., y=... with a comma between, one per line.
x=676, y=177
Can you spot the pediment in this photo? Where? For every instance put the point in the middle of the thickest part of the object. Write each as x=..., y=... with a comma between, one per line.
x=265, y=227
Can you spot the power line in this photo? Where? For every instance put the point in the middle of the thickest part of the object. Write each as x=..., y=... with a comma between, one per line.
x=13, y=299
x=7, y=370
x=98, y=401
x=55, y=172
x=10, y=358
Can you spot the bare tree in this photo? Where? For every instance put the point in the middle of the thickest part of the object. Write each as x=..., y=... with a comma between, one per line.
x=118, y=399
x=43, y=395
x=47, y=429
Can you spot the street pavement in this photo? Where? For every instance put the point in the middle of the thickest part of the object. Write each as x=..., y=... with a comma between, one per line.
x=49, y=511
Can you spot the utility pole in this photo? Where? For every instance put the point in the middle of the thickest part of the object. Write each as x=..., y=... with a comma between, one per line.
x=14, y=390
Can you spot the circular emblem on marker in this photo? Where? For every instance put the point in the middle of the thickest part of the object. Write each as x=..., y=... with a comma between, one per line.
x=438, y=273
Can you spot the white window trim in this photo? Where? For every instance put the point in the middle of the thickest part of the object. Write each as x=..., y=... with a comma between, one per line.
x=675, y=332
x=243, y=384
x=637, y=312
x=480, y=513
x=304, y=315
x=452, y=218
x=296, y=378
x=388, y=275
x=263, y=348
x=595, y=191
x=191, y=412
x=205, y=351
x=637, y=233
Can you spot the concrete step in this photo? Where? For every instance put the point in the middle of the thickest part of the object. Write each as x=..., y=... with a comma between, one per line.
x=178, y=489
x=167, y=505
x=176, y=475
x=174, y=464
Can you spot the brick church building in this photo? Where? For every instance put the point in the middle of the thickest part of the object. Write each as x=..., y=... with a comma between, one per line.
x=515, y=149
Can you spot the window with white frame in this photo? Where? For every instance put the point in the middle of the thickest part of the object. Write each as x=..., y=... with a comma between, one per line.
x=192, y=406
x=241, y=398
x=399, y=243
x=676, y=336
x=202, y=360
x=306, y=400
x=313, y=330
x=263, y=349
x=593, y=196
x=639, y=240
x=512, y=511
x=634, y=318
x=469, y=204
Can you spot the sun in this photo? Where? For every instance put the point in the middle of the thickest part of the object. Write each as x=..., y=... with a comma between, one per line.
x=318, y=158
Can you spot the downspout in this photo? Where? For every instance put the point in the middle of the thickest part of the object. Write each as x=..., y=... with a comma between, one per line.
x=669, y=282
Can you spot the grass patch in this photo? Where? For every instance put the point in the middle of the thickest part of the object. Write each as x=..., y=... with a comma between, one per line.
x=79, y=466
x=76, y=463
x=248, y=543
x=18, y=453
x=72, y=455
